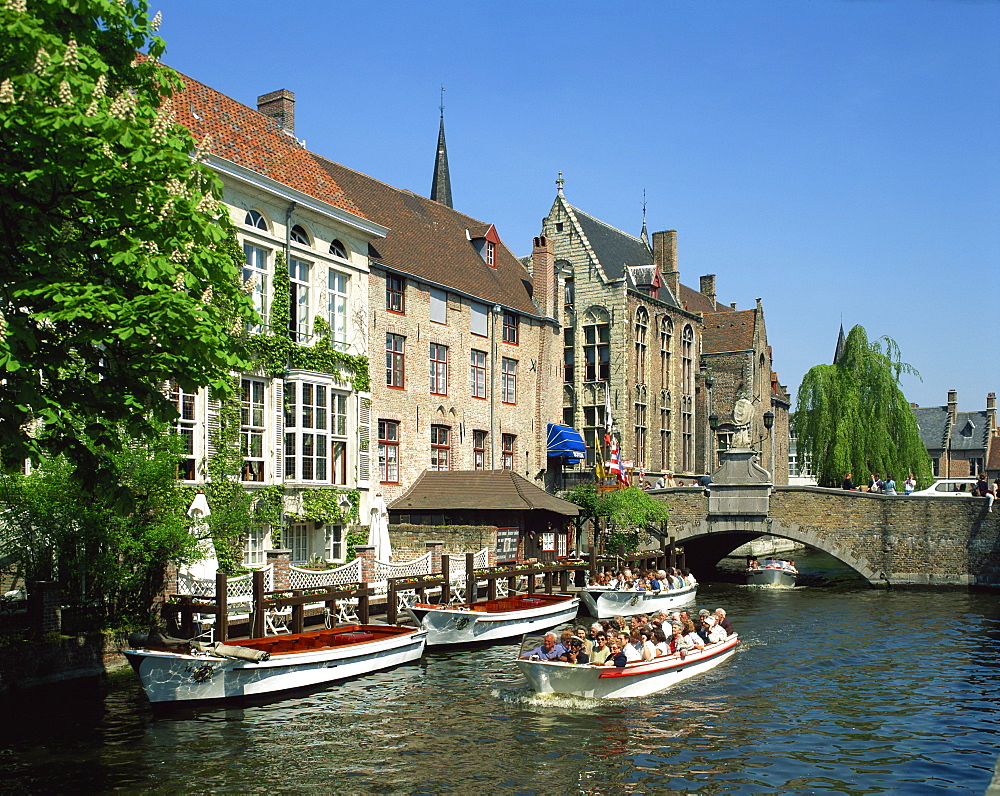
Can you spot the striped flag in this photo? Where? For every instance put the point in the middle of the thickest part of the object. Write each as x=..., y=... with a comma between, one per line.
x=616, y=464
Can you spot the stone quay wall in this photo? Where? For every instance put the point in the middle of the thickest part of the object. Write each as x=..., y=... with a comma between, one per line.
x=892, y=539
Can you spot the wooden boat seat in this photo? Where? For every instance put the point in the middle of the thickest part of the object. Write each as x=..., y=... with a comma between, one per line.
x=352, y=638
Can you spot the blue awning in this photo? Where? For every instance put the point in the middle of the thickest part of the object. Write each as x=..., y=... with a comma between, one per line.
x=566, y=443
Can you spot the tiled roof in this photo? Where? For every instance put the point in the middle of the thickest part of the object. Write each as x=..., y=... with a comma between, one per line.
x=728, y=331
x=428, y=240
x=250, y=139
x=993, y=463
x=694, y=301
x=970, y=431
x=499, y=490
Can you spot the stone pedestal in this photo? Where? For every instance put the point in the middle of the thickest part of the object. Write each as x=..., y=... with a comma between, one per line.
x=740, y=487
x=366, y=553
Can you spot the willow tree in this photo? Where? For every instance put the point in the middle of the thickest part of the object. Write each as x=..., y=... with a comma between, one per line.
x=852, y=416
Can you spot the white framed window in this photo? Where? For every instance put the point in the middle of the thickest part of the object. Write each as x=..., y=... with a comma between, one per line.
x=255, y=273
x=252, y=428
x=479, y=449
x=337, y=308
x=184, y=427
x=296, y=539
x=388, y=451
x=253, y=549
x=562, y=545
x=315, y=433
x=298, y=299
x=255, y=219
x=335, y=550
x=338, y=249
x=507, y=456
x=548, y=542
x=299, y=235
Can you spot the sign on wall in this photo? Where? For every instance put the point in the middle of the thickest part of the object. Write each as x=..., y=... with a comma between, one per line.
x=507, y=544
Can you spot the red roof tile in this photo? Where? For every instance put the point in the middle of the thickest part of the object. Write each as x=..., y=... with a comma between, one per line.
x=729, y=331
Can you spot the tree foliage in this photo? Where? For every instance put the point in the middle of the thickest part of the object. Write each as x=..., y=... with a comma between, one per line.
x=628, y=512
x=109, y=563
x=852, y=416
x=117, y=271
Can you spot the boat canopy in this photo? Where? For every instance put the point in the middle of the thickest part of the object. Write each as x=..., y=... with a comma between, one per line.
x=566, y=443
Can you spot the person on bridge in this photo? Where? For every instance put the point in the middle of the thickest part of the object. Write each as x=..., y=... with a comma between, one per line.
x=848, y=483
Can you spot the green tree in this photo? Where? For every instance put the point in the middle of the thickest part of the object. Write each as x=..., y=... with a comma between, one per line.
x=117, y=270
x=852, y=416
x=628, y=513
x=109, y=563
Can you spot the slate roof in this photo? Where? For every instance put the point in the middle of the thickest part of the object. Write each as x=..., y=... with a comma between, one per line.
x=728, y=331
x=250, y=139
x=970, y=432
x=496, y=490
x=428, y=240
x=618, y=252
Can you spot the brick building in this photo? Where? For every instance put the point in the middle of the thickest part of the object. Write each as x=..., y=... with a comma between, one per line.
x=464, y=341
x=961, y=443
x=638, y=342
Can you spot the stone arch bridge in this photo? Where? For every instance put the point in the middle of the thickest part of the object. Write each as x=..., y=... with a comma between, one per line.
x=888, y=540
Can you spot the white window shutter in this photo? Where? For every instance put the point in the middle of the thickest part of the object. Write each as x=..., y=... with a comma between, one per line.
x=212, y=425
x=279, y=430
x=364, y=438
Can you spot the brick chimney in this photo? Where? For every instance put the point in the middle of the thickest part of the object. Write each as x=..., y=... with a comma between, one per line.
x=707, y=288
x=952, y=406
x=991, y=411
x=280, y=106
x=543, y=274
x=665, y=257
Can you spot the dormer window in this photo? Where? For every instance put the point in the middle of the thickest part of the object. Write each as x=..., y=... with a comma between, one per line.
x=491, y=253
x=338, y=249
x=299, y=235
x=485, y=240
x=255, y=219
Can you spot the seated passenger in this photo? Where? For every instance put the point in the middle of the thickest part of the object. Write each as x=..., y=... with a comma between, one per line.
x=715, y=633
x=632, y=650
x=725, y=624
x=588, y=645
x=549, y=651
x=660, y=642
x=601, y=650
x=689, y=577
x=616, y=656
x=575, y=653
x=648, y=647
x=679, y=643
x=653, y=581
x=565, y=637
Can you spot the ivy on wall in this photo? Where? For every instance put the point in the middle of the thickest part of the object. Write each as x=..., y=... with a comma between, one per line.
x=276, y=352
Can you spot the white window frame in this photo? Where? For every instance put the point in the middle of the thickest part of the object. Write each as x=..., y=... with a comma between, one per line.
x=296, y=539
x=255, y=268
x=253, y=428
x=338, y=285
x=299, y=274
x=254, y=547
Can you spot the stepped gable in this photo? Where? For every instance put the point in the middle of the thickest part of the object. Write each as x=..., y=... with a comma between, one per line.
x=430, y=241
x=499, y=490
x=248, y=138
x=729, y=331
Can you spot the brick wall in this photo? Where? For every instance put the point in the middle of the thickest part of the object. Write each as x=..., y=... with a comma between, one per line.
x=410, y=541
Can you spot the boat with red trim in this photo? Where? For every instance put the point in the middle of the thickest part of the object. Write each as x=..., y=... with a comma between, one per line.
x=193, y=671
x=493, y=620
x=636, y=679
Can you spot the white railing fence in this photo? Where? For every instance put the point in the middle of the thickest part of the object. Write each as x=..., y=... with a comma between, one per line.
x=238, y=588
x=310, y=579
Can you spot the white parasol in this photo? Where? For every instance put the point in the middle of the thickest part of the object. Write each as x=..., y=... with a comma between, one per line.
x=378, y=529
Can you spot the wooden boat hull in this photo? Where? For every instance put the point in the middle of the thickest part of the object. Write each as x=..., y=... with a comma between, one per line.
x=489, y=621
x=771, y=577
x=635, y=680
x=605, y=603
x=326, y=656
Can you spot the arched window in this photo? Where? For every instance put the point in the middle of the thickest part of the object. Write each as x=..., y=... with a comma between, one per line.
x=299, y=235
x=666, y=339
x=641, y=344
x=687, y=361
x=255, y=219
x=338, y=249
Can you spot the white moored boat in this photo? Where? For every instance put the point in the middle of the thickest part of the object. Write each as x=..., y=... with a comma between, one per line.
x=634, y=680
x=604, y=602
x=492, y=620
x=276, y=663
x=772, y=572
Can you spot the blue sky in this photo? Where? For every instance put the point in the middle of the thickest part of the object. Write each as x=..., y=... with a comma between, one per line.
x=838, y=159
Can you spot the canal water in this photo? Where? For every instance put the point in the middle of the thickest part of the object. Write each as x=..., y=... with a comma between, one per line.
x=836, y=688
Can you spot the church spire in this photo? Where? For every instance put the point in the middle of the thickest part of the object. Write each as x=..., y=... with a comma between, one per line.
x=841, y=343
x=644, y=235
x=441, y=185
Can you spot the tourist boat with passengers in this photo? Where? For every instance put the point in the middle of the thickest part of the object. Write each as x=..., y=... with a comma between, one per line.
x=493, y=620
x=605, y=602
x=257, y=666
x=636, y=679
x=772, y=572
